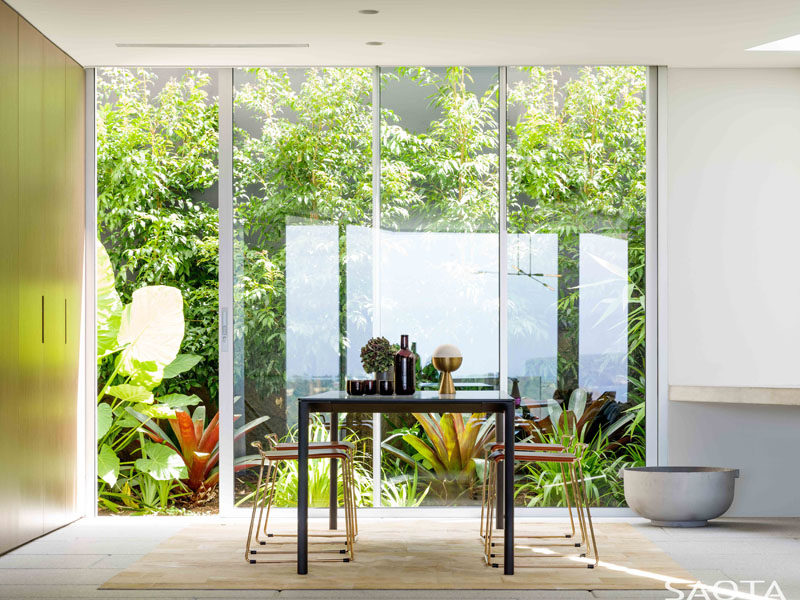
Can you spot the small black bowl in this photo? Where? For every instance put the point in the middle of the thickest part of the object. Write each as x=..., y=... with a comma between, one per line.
x=385, y=387
x=354, y=387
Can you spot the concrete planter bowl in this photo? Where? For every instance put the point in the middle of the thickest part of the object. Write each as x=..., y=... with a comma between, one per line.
x=679, y=496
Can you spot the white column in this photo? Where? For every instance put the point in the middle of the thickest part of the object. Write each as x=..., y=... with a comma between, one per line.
x=502, y=265
x=87, y=411
x=376, y=268
x=225, y=190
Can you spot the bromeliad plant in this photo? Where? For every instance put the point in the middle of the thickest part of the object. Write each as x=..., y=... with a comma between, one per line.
x=197, y=444
x=598, y=425
x=454, y=443
x=145, y=337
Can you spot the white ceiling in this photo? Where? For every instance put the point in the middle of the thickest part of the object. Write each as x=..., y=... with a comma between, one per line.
x=696, y=33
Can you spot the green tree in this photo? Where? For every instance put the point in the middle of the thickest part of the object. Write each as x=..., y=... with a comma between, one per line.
x=156, y=156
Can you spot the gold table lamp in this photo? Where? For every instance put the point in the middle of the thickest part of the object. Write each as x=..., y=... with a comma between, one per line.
x=446, y=359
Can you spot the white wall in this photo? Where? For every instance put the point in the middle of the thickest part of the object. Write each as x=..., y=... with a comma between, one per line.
x=734, y=274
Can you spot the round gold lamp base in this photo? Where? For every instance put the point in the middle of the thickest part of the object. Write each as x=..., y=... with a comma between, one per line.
x=446, y=365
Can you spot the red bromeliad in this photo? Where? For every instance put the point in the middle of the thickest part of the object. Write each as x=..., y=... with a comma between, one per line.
x=198, y=445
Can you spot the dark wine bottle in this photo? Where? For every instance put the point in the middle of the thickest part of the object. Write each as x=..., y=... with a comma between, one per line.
x=404, y=373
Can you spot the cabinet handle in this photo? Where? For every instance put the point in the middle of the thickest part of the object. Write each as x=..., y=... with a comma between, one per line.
x=65, y=320
x=43, y=319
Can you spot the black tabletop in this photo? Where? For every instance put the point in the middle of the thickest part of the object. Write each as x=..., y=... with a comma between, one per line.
x=461, y=401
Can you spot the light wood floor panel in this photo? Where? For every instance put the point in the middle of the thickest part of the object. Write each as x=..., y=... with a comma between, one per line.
x=400, y=555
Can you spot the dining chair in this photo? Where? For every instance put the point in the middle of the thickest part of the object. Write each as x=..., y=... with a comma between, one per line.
x=350, y=449
x=533, y=447
x=572, y=463
x=264, y=497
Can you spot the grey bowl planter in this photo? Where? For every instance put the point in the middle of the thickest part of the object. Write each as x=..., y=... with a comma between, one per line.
x=679, y=496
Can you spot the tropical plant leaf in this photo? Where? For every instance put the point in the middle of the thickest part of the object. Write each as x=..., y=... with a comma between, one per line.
x=155, y=411
x=239, y=432
x=431, y=427
x=107, y=465
x=109, y=305
x=161, y=463
x=152, y=327
x=104, y=419
x=555, y=412
x=405, y=458
x=151, y=429
x=577, y=402
x=124, y=419
x=197, y=471
x=427, y=453
x=181, y=364
x=452, y=457
x=183, y=427
x=134, y=394
x=210, y=436
x=178, y=400
x=147, y=374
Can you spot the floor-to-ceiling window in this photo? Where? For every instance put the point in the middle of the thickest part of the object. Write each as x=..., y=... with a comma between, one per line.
x=157, y=290
x=324, y=260
x=439, y=243
x=302, y=255
x=576, y=266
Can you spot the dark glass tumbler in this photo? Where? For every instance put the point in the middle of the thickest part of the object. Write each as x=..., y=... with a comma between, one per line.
x=385, y=387
x=368, y=387
x=354, y=387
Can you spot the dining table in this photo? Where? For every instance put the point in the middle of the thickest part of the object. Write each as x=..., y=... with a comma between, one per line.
x=337, y=402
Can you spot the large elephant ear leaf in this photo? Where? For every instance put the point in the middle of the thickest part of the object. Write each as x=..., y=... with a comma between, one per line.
x=555, y=412
x=152, y=327
x=109, y=305
x=181, y=364
x=161, y=463
x=107, y=465
x=577, y=402
x=104, y=419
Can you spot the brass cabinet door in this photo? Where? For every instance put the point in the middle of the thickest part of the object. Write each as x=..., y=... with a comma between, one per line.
x=32, y=431
x=10, y=469
x=41, y=272
x=54, y=447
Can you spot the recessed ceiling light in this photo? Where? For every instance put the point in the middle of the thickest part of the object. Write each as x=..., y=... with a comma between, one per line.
x=374, y=43
x=166, y=45
x=368, y=11
x=789, y=44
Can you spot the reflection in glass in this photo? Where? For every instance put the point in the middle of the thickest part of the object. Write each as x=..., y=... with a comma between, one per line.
x=438, y=260
x=302, y=284
x=576, y=216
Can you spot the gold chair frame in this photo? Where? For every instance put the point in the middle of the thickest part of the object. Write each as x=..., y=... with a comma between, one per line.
x=265, y=494
x=579, y=497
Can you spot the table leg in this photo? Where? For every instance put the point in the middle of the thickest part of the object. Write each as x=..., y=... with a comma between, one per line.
x=499, y=424
x=302, y=489
x=334, y=496
x=508, y=535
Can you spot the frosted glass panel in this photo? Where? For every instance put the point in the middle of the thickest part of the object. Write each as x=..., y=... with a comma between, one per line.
x=312, y=303
x=441, y=287
x=533, y=312
x=359, y=295
x=603, y=337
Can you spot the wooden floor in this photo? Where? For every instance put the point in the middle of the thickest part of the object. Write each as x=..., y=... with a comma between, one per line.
x=402, y=554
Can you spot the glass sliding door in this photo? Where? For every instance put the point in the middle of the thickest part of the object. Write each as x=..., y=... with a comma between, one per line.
x=438, y=272
x=323, y=260
x=576, y=266
x=302, y=257
x=157, y=254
